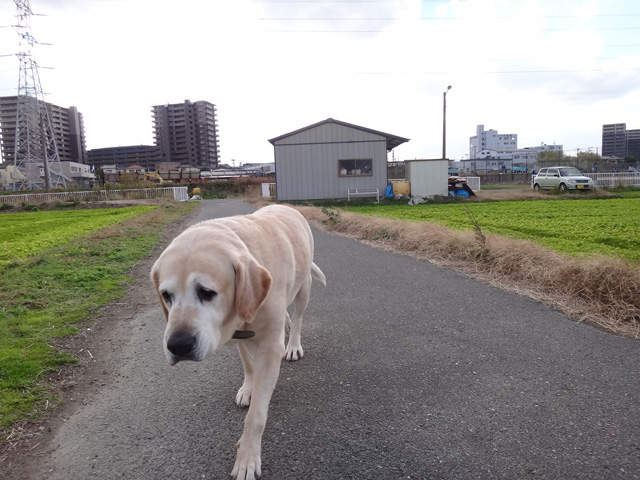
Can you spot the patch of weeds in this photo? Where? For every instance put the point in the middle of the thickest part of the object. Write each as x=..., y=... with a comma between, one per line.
x=383, y=234
x=333, y=217
x=482, y=252
x=31, y=208
x=5, y=206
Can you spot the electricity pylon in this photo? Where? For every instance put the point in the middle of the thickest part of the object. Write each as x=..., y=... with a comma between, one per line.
x=35, y=154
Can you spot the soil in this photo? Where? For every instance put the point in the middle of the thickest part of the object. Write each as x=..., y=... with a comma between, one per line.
x=74, y=385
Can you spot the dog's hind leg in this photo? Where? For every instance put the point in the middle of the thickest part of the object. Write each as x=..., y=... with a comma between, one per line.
x=294, y=350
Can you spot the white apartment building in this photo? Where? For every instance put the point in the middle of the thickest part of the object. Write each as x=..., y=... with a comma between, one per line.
x=524, y=154
x=491, y=140
x=489, y=150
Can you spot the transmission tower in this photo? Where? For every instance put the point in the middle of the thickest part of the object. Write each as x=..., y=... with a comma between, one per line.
x=35, y=153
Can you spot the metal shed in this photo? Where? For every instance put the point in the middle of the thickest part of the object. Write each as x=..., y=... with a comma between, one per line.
x=428, y=176
x=326, y=159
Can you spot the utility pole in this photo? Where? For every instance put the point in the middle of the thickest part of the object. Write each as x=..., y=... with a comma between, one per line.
x=444, y=123
x=35, y=143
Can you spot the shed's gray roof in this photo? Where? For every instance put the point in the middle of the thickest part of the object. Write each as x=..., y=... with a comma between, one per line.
x=392, y=140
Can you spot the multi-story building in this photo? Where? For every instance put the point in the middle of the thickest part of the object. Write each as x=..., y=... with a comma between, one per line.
x=614, y=140
x=502, y=150
x=68, y=129
x=146, y=156
x=619, y=142
x=187, y=133
x=490, y=140
x=633, y=144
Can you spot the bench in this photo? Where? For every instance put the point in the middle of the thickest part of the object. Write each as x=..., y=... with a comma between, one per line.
x=363, y=192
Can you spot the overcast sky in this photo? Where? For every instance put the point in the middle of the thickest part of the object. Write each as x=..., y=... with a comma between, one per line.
x=550, y=71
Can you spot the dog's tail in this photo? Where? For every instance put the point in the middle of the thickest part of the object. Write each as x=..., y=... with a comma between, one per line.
x=317, y=274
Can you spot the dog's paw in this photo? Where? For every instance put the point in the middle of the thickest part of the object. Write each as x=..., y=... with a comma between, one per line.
x=293, y=353
x=248, y=464
x=243, y=397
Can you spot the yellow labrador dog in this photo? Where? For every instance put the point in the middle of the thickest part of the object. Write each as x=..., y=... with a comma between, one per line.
x=230, y=280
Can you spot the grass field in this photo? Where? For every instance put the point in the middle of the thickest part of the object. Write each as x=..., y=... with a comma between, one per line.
x=26, y=234
x=608, y=226
x=56, y=269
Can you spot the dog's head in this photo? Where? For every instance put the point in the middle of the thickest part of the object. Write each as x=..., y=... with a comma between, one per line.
x=208, y=289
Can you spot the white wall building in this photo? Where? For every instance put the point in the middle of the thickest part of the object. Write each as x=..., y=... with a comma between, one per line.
x=514, y=161
x=485, y=140
x=73, y=172
x=489, y=150
x=79, y=173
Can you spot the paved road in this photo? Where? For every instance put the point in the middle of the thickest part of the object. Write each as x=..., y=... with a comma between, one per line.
x=410, y=372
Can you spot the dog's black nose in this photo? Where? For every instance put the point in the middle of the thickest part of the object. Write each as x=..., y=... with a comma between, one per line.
x=181, y=344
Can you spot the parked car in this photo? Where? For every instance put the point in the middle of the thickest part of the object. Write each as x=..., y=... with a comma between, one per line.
x=562, y=178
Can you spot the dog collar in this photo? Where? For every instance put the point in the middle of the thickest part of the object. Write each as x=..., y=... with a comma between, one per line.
x=243, y=334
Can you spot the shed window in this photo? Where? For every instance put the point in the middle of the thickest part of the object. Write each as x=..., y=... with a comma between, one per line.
x=363, y=166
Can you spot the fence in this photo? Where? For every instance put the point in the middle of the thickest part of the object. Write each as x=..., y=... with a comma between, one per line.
x=178, y=193
x=615, y=179
x=474, y=183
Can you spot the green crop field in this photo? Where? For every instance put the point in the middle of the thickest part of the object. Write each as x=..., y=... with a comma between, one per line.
x=25, y=234
x=576, y=227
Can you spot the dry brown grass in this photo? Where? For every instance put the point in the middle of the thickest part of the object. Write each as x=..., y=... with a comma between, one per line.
x=598, y=290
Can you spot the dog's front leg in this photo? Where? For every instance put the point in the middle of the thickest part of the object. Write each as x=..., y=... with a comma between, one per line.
x=247, y=354
x=266, y=364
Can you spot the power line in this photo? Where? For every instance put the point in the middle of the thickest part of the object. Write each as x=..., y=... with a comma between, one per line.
x=500, y=72
x=361, y=1
x=279, y=19
x=380, y=31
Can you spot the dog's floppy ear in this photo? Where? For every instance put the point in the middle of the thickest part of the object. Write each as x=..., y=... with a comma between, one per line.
x=252, y=286
x=155, y=278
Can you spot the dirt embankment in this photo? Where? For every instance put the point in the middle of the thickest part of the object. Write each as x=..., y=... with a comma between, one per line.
x=599, y=290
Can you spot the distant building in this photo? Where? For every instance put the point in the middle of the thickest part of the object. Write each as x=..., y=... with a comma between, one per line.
x=68, y=129
x=633, y=144
x=489, y=150
x=187, y=133
x=120, y=157
x=522, y=159
x=614, y=140
x=263, y=168
x=79, y=173
x=619, y=142
x=10, y=176
x=491, y=140
x=327, y=159
x=73, y=172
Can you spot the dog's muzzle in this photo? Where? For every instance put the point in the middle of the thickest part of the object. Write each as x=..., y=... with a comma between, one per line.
x=182, y=345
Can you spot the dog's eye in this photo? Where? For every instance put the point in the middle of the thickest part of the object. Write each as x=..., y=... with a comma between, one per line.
x=167, y=297
x=204, y=294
